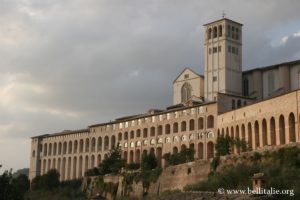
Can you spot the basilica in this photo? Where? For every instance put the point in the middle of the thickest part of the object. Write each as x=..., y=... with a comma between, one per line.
x=259, y=106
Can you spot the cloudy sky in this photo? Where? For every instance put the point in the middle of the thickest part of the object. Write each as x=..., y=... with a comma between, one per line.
x=66, y=64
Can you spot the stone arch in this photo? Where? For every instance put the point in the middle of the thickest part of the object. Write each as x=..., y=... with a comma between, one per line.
x=53, y=163
x=59, y=165
x=59, y=148
x=256, y=134
x=220, y=31
x=69, y=169
x=200, y=150
x=99, y=159
x=125, y=156
x=175, y=127
x=138, y=133
x=160, y=130
x=55, y=149
x=210, y=150
x=249, y=135
x=145, y=132
x=186, y=92
x=159, y=156
x=227, y=131
x=167, y=129
x=93, y=144
x=175, y=150
x=192, y=125
x=44, y=166
x=152, y=131
x=86, y=163
x=131, y=134
x=70, y=147
x=152, y=151
x=113, y=141
x=64, y=147
x=80, y=167
x=209, y=34
x=63, y=169
x=74, y=167
x=106, y=142
x=131, y=156
x=243, y=134
x=45, y=149
x=126, y=135
x=138, y=156
x=237, y=137
x=272, y=131
x=281, y=130
x=49, y=164
x=200, y=123
x=87, y=145
x=264, y=133
x=210, y=121
x=183, y=147
x=183, y=126
x=215, y=32
x=92, y=161
x=75, y=149
x=81, y=146
x=99, y=144
x=292, y=128
x=192, y=146
x=50, y=149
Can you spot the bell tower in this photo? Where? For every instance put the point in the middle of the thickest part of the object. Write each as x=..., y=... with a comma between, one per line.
x=223, y=58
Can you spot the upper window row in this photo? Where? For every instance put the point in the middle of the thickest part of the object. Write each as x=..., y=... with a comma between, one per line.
x=217, y=31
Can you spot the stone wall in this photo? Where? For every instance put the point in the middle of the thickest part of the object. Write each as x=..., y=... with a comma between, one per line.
x=176, y=177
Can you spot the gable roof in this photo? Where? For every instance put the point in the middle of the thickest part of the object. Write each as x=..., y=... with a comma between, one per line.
x=187, y=68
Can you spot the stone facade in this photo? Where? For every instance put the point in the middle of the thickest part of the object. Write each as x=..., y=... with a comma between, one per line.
x=260, y=106
x=73, y=152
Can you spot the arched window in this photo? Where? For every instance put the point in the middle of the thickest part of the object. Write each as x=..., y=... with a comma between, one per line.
x=281, y=130
x=131, y=134
x=200, y=123
x=292, y=128
x=152, y=131
x=138, y=133
x=272, y=131
x=175, y=127
x=210, y=121
x=145, y=132
x=168, y=129
x=215, y=32
x=192, y=125
x=186, y=92
x=209, y=33
x=183, y=126
x=220, y=31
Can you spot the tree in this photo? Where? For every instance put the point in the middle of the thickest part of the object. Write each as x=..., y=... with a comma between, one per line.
x=13, y=188
x=47, y=181
x=185, y=155
x=223, y=145
x=113, y=163
x=149, y=171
